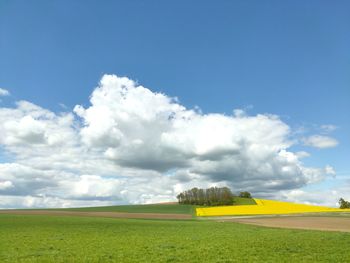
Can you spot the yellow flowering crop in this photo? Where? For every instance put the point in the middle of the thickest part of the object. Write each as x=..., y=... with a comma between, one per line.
x=265, y=207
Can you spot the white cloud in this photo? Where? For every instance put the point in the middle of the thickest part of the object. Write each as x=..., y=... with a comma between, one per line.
x=4, y=92
x=326, y=197
x=328, y=128
x=320, y=141
x=134, y=145
x=329, y=170
x=302, y=154
x=5, y=185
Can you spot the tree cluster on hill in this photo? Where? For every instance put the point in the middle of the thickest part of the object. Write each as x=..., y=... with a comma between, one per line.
x=343, y=204
x=211, y=196
x=245, y=194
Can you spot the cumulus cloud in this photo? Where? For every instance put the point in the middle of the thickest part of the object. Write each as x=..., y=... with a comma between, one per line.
x=320, y=141
x=4, y=92
x=134, y=145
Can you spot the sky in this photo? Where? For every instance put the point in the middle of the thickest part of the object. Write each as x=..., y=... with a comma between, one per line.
x=118, y=102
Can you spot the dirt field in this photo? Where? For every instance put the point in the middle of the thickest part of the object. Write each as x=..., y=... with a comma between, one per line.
x=97, y=214
x=302, y=222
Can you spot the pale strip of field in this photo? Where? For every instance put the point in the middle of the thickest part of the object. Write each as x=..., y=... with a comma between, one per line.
x=304, y=222
x=266, y=207
x=98, y=214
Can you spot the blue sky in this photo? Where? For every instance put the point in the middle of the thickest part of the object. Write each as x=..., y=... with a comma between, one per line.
x=289, y=58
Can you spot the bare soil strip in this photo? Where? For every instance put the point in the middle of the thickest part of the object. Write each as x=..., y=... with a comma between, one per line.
x=98, y=214
x=303, y=222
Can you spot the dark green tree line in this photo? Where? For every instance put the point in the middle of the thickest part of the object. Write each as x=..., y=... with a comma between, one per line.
x=343, y=204
x=245, y=194
x=211, y=196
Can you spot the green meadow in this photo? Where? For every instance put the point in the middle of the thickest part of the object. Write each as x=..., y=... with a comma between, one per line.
x=152, y=208
x=33, y=238
x=243, y=201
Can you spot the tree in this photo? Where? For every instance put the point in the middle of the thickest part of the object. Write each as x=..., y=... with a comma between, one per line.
x=226, y=196
x=343, y=204
x=245, y=194
x=211, y=196
x=181, y=197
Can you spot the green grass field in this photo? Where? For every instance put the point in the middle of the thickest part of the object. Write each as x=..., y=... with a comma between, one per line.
x=243, y=201
x=153, y=208
x=161, y=208
x=84, y=239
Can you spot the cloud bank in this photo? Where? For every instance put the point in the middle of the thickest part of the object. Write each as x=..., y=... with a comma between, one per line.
x=132, y=145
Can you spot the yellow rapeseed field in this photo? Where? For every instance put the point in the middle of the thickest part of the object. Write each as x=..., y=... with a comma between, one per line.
x=265, y=207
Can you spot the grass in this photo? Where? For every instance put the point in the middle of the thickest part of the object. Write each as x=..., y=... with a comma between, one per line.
x=154, y=208
x=84, y=239
x=243, y=201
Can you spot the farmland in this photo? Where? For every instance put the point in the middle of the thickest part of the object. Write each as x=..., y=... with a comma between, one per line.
x=171, y=233
x=33, y=238
x=152, y=208
x=266, y=207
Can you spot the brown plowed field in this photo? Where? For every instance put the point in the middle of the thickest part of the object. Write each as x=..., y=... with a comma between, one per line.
x=97, y=214
x=302, y=222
